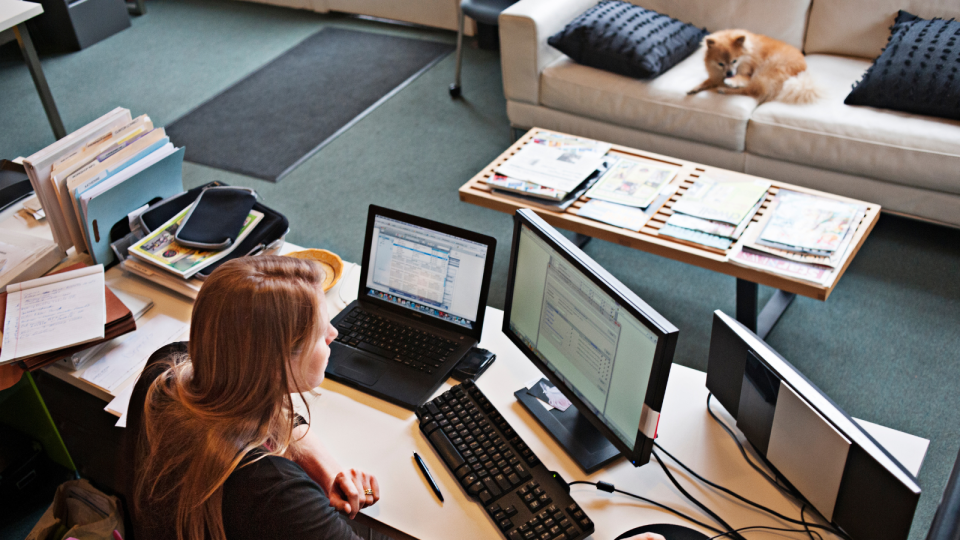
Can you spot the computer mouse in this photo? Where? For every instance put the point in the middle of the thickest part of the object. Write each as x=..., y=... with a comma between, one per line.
x=667, y=530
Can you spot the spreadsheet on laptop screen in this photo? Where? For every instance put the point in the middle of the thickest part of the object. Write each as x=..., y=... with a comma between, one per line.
x=426, y=271
x=600, y=350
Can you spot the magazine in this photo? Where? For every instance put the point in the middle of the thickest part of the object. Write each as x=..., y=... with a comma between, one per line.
x=556, y=161
x=729, y=202
x=618, y=215
x=802, y=222
x=633, y=183
x=160, y=248
x=506, y=183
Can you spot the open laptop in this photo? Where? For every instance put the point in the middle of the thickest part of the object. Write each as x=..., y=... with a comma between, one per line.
x=423, y=292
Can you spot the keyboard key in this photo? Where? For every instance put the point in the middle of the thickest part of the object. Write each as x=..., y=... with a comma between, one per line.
x=380, y=351
x=505, y=524
x=503, y=483
x=447, y=451
x=514, y=535
x=491, y=486
x=485, y=496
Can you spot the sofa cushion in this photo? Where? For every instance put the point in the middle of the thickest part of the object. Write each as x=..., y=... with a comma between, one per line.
x=630, y=40
x=896, y=147
x=659, y=105
x=785, y=20
x=861, y=27
x=918, y=72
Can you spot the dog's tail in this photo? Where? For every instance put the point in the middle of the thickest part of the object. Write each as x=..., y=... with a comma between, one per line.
x=801, y=89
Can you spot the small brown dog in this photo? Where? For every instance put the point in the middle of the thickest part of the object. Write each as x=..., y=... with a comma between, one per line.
x=741, y=62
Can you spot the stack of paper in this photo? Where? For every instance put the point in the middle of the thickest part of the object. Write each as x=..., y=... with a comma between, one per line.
x=58, y=315
x=89, y=180
x=551, y=167
x=715, y=213
x=803, y=236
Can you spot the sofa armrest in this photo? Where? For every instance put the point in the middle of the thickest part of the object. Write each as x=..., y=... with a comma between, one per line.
x=524, y=52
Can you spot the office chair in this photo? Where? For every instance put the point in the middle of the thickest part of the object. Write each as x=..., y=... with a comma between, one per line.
x=482, y=11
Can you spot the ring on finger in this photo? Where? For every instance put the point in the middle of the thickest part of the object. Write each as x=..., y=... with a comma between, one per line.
x=368, y=492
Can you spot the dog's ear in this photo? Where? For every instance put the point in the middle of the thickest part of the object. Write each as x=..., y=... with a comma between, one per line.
x=739, y=40
x=710, y=42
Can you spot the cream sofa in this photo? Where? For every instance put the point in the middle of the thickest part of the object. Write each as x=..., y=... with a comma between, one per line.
x=907, y=163
x=435, y=13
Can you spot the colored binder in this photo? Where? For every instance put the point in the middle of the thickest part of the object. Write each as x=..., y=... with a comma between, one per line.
x=159, y=181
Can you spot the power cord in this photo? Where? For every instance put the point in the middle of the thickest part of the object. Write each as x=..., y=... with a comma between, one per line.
x=775, y=481
x=711, y=513
x=610, y=488
x=744, y=499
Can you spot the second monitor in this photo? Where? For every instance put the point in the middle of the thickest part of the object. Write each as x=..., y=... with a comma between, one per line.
x=602, y=346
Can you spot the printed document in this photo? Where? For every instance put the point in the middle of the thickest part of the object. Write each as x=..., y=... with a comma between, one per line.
x=54, y=312
x=126, y=355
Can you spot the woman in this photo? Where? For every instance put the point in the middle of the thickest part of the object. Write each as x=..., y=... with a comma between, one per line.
x=218, y=452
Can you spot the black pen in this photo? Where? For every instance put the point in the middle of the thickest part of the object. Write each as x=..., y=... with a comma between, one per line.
x=426, y=473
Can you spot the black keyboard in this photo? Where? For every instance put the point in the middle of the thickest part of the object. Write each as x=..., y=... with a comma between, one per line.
x=406, y=345
x=495, y=467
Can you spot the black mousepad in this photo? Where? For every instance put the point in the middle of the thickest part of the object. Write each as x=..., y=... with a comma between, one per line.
x=667, y=530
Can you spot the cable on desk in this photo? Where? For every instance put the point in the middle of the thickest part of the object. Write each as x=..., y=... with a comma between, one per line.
x=609, y=488
x=800, y=521
x=811, y=533
x=711, y=513
x=753, y=528
x=775, y=481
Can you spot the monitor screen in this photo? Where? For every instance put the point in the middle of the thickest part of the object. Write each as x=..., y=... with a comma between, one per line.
x=594, y=337
x=427, y=271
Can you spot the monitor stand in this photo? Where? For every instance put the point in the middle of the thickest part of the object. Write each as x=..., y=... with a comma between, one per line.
x=583, y=442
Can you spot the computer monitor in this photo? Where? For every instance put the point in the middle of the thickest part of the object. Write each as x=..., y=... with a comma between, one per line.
x=603, y=347
x=841, y=470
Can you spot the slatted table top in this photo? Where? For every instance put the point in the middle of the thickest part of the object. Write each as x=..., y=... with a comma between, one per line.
x=476, y=191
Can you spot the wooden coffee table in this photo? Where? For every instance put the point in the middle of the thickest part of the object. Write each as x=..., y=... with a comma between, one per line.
x=476, y=191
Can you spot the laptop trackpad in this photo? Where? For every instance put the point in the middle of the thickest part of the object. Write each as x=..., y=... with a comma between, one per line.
x=360, y=369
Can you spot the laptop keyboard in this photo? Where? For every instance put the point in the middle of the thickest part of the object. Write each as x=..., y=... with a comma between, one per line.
x=406, y=345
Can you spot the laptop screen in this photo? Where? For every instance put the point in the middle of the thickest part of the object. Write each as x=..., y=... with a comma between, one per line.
x=427, y=271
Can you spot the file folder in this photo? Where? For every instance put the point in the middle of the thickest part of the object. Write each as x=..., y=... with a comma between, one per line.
x=159, y=181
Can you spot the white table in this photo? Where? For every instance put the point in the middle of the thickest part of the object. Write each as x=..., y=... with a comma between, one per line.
x=13, y=15
x=388, y=435
x=371, y=434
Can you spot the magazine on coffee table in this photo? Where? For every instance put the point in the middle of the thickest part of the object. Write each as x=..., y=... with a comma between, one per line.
x=556, y=161
x=632, y=182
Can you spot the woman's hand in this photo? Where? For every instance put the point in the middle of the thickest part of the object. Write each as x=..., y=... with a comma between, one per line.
x=346, y=489
x=354, y=490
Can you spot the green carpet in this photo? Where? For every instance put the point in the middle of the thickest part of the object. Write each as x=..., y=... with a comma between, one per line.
x=884, y=346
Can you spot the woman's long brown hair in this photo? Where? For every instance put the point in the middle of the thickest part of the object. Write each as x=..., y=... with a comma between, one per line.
x=251, y=321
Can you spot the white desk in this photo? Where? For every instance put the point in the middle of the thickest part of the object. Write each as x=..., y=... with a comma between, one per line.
x=13, y=15
x=368, y=433
x=371, y=434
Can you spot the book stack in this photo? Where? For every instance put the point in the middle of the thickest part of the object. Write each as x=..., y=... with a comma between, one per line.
x=551, y=171
x=59, y=315
x=714, y=213
x=89, y=181
x=629, y=192
x=803, y=236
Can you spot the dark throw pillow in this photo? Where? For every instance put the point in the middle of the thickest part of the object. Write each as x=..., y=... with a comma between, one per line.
x=627, y=39
x=918, y=72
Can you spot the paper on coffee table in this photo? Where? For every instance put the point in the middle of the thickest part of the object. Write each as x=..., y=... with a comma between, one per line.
x=556, y=161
